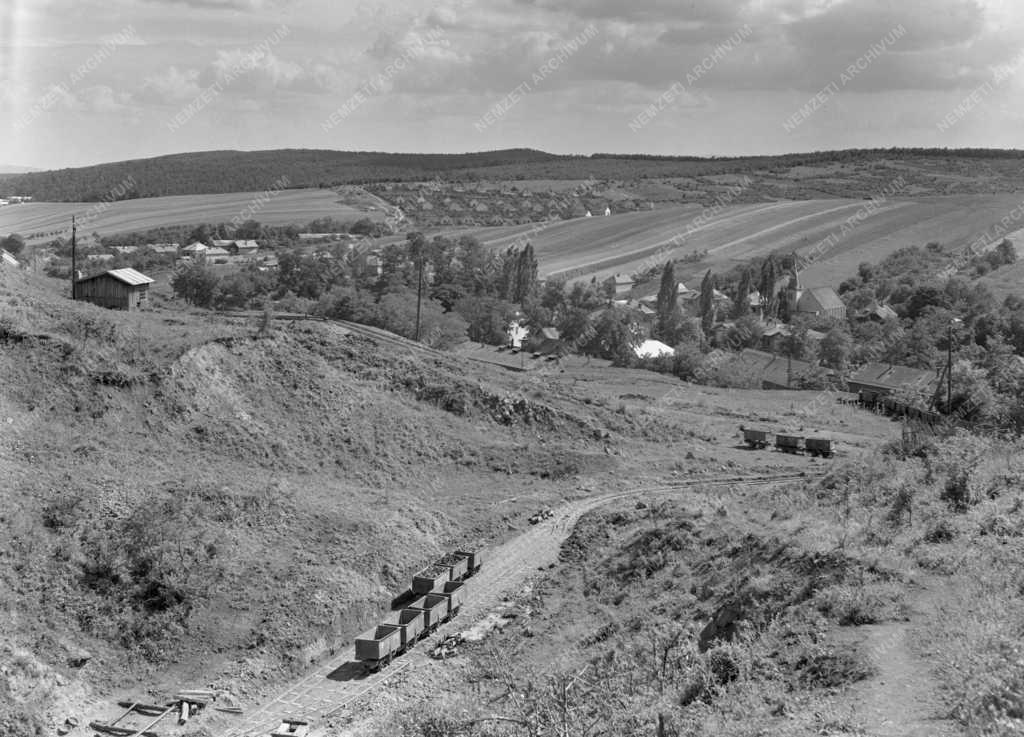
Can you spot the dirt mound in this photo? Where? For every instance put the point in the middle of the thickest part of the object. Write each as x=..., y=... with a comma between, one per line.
x=194, y=501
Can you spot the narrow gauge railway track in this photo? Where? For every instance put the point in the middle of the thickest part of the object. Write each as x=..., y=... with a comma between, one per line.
x=334, y=686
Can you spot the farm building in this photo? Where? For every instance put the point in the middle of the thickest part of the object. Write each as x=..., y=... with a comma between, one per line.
x=119, y=289
x=875, y=381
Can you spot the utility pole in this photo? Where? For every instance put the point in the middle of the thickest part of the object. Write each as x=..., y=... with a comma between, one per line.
x=74, y=262
x=419, y=292
x=949, y=365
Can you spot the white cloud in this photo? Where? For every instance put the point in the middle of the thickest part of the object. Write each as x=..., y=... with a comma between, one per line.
x=104, y=99
x=171, y=85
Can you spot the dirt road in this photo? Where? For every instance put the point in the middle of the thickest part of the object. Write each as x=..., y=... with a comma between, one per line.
x=335, y=684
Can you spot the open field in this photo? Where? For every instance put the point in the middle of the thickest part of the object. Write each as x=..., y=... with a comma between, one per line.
x=623, y=243
x=47, y=220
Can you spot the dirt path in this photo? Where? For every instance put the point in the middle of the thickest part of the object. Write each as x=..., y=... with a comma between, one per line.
x=332, y=686
x=902, y=699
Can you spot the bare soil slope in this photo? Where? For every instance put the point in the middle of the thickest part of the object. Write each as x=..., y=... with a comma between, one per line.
x=190, y=501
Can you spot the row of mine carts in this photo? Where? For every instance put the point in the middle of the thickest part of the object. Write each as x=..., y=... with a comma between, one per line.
x=438, y=592
x=813, y=446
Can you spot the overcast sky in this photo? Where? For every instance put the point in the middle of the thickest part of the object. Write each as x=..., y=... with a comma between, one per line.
x=85, y=81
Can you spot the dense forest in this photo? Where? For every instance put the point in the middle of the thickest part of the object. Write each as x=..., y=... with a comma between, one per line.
x=211, y=172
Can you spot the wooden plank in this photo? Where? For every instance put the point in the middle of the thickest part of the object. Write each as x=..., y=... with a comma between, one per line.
x=119, y=731
x=153, y=709
x=145, y=729
x=131, y=708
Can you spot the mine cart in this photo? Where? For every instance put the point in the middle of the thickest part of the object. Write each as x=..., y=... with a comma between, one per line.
x=375, y=648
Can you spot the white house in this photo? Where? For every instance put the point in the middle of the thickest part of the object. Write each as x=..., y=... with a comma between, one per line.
x=516, y=334
x=607, y=211
x=653, y=349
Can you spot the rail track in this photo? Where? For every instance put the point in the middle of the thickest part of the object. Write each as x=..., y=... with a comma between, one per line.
x=335, y=685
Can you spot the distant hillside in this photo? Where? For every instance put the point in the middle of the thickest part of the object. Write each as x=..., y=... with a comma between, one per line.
x=215, y=172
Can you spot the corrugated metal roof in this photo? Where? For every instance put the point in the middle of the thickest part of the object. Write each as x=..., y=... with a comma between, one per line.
x=130, y=276
x=889, y=376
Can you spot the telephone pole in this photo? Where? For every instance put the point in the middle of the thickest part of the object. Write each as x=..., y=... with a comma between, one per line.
x=74, y=261
x=419, y=294
x=949, y=364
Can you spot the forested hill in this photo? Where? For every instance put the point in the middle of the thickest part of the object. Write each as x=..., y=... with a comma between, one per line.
x=211, y=172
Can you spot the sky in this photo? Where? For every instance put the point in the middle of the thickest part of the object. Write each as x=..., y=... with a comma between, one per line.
x=84, y=82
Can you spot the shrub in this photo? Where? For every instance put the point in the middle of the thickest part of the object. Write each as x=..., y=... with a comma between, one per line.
x=855, y=604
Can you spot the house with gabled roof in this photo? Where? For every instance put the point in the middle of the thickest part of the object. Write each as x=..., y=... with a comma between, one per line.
x=874, y=381
x=119, y=289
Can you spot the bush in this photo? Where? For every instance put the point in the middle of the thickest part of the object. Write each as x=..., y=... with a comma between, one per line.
x=855, y=605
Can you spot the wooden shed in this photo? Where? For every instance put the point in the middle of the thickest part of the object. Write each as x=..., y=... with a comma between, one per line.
x=119, y=289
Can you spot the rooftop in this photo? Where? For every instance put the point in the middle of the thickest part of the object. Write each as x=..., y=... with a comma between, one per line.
x=128, y=276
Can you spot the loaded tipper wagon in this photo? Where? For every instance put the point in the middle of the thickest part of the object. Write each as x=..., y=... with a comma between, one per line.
x=376, y=647
x=437, y=609
x=825, y=447
x=431, y=578
x=789, y=443
x=756, y=438
x=438, y=592
x=456, y=593
x=474, y=559
x=410, y=623
x=458, y=566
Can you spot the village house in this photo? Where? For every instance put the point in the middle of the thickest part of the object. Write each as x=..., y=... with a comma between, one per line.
x=234, y=247
x=119, y=289
x=653, y=349
x=195, y=251
x=876, y=313
x=621, y=283
x=876, y=381
x=547, y=342
x=246, y=248
x=776, y=335
x=774, y=371
x=216, y=252
x=516, y=333
x=165, y=248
